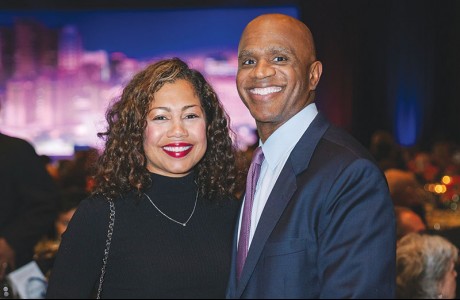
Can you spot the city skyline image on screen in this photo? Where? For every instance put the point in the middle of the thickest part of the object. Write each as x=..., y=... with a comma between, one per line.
x=59, y=71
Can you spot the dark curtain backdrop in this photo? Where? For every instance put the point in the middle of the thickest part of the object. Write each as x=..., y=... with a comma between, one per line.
x=388, y=64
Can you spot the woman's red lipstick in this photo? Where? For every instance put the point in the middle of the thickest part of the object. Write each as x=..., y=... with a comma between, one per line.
x=178, y=150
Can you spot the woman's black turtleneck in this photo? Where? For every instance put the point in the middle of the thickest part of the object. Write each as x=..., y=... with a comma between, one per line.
x=150, y=255
x=175, y=197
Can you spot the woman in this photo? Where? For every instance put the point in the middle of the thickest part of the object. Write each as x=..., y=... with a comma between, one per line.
x=426, y=267
x=169, y=167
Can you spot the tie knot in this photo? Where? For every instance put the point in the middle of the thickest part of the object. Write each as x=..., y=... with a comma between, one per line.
x=258, y=156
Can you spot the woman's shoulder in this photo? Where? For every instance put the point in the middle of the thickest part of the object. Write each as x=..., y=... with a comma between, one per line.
x=88, y=224
x=91, y=210
x=94, y=203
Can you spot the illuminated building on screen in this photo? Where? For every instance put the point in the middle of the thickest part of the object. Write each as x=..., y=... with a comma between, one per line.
x=55, y=94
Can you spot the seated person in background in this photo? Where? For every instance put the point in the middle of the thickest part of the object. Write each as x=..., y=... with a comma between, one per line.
x=423, y=168
x=453, y=236
x=407, y=222
x=406, y=191
x=77, y=172
x=49, y=165
x=46, y=249
x=441, y=155
x=425, y=267
x=386, y=151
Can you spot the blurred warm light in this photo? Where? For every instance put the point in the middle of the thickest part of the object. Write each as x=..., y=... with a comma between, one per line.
x=446, y=179
x=440, y=188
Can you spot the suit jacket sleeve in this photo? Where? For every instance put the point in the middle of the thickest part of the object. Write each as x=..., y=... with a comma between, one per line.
x=357, y=237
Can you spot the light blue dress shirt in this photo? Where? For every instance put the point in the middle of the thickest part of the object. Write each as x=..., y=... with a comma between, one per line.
x=277, y=149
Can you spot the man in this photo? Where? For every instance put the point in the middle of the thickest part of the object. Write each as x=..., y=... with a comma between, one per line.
x=407, y=221
x=322, y=223
x=27, y=202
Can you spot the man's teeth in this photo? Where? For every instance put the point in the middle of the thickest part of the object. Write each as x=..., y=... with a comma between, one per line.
x=177, y=149
x=265, y=91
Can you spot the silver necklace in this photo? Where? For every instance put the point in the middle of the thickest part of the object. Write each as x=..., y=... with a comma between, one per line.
x=175, y=221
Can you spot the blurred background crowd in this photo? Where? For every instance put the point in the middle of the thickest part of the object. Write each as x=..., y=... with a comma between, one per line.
x=424, y=185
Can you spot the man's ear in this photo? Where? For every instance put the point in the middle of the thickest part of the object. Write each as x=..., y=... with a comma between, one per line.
x=316, y=69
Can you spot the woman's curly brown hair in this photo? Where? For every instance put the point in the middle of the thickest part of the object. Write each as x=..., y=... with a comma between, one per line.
x=122, y=167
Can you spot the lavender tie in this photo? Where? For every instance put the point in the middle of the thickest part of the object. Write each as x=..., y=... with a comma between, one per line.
x=245, y=230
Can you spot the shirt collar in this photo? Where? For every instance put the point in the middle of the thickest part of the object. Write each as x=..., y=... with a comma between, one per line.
x=283, y=140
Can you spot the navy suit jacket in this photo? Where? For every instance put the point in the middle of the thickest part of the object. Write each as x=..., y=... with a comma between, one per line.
x=328, y=228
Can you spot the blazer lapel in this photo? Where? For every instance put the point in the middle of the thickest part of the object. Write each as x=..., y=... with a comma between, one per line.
x=232, y=282
x=303, y=151
x=280, y=196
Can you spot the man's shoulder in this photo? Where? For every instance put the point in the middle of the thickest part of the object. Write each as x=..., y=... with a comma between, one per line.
x=337, y=149
x=14, y=144
x=345, y=143
x=326, y=146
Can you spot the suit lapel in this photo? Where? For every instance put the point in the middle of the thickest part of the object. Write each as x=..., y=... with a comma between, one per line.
x=232, y=282
x=280, y=196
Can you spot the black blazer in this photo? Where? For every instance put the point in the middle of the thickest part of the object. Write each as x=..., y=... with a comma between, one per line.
x=28, y=197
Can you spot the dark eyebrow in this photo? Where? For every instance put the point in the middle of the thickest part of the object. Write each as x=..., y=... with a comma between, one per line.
x=188, y=107
x=277, y=50
x=162, y=108
x=245, y=53
x=169, y=110
x=272, y=50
